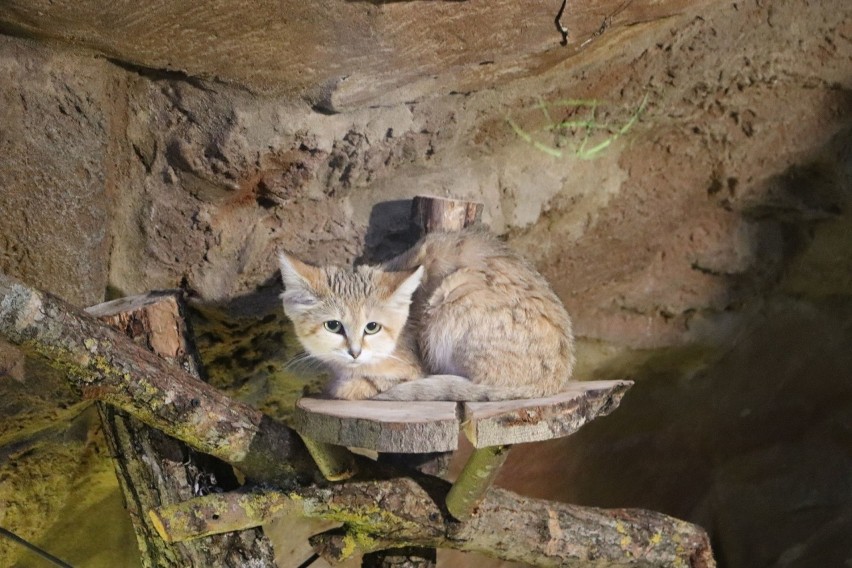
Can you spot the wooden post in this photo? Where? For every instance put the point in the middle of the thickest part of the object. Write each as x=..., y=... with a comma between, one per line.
x=428, y=214
x=432, y=214
x=474, y=480
x=154, y=469
x=336, y=463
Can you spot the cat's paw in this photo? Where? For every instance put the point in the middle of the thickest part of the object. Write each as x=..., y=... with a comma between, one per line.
x=352, y=389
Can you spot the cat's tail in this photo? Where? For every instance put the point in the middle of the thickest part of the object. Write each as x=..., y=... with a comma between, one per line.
x=453, y=388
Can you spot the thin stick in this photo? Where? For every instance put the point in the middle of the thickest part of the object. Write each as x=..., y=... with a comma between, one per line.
x=33, y=548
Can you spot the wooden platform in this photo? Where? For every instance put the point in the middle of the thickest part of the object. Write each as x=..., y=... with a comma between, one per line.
x=422, y=427
x=384, y=426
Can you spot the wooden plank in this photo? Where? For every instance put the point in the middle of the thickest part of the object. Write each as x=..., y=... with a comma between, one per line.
x=384, y=426
x=532, y=420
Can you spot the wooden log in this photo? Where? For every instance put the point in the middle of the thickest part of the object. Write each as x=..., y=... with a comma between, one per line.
x=532, y=420
x=218, y=513
x=155, y=320
x=336, y=463
x=405, y=512
x=154, y=469
x=384, y=426
x=104, y=365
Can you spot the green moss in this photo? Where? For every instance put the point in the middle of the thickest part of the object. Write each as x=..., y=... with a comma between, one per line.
x=96, y=511
x=250, y=358
x=61, y=494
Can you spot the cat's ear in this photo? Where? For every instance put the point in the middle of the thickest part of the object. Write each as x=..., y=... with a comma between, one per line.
x=406, y=286
x=299, y=288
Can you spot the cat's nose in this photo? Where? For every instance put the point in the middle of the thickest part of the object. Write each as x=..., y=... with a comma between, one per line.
x=354, y=351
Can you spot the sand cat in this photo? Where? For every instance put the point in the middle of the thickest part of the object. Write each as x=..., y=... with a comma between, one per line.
x=457, y=317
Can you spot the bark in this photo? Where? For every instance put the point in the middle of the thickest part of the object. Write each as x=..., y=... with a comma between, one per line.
x=154, y=469
x=475, y=479
x=505, y=525
x=384, y=426
x=431, y=214
x=103, y=364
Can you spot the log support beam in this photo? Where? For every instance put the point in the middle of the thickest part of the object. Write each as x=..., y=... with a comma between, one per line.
x=336, y=463
x=474, y=480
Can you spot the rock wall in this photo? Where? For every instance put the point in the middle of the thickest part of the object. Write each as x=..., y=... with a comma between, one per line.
x=55, y=201
x=701, y=242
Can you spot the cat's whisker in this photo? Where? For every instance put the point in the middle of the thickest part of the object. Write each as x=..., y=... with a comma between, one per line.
x=302, y=361
x=296, y=359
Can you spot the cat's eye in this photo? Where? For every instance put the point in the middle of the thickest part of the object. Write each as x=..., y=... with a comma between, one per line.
x=372, y=328
x=333, y=326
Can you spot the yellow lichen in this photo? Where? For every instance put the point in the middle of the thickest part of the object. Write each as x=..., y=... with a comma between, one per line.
x=350, y=546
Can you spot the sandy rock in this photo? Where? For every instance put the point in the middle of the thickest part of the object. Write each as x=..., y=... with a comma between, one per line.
x=54, y=202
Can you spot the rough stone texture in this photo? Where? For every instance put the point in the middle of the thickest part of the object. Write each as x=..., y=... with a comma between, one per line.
x=705, y=253
x=337, y=55
x=54, y=202
x=216, y=184
x=714, y=182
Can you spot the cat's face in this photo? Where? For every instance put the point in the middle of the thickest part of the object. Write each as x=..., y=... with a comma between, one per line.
x=347, y=317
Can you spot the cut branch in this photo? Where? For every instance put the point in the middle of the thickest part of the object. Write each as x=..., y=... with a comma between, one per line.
x=435, y=214
x=105, y=365
x=505, y=525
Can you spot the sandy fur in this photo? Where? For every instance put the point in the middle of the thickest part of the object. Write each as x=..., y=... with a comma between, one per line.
x=482, y=324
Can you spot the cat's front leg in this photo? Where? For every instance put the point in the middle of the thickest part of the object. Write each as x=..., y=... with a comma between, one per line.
x=351, y=388
x=359, y=387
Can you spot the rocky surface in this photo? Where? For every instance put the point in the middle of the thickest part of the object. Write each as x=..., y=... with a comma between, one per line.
x=334, y=55
x=701, y=242
x=55, y=199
